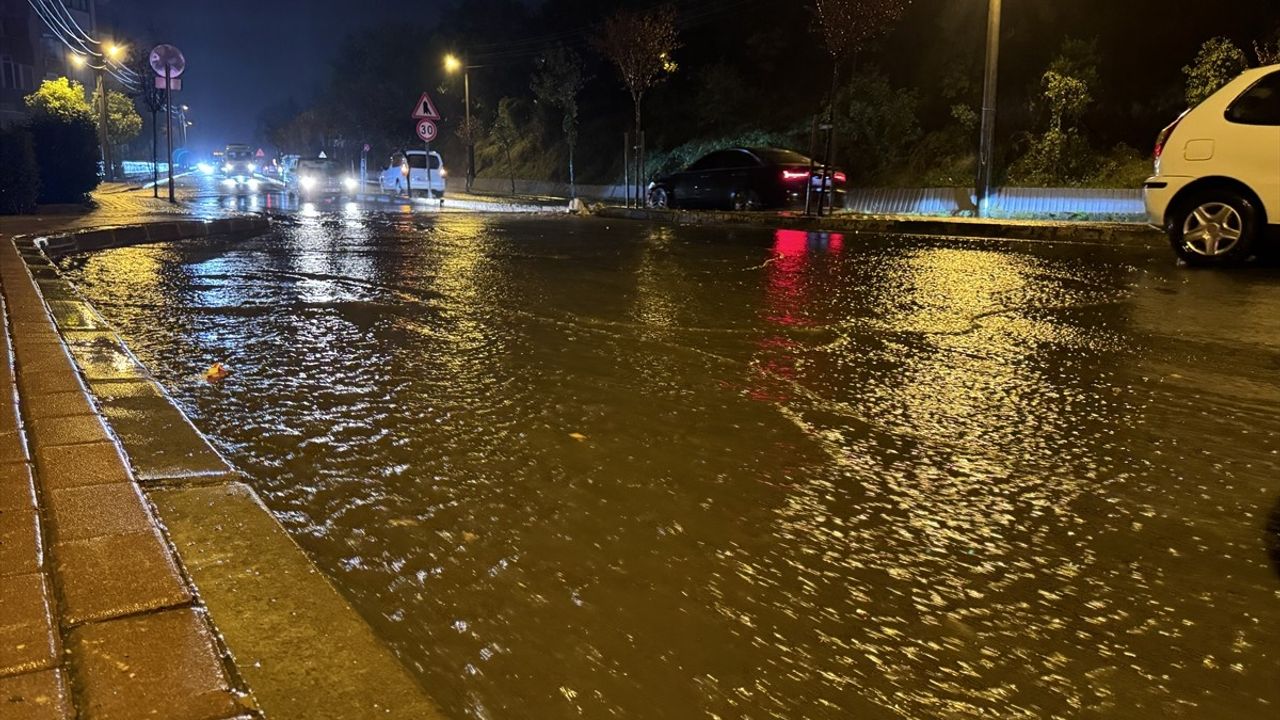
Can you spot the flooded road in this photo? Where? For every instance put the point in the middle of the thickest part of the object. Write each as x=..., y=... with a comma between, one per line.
x=578, y=468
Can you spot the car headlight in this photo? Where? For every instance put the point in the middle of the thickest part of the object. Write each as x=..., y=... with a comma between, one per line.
x=349, y=183
x=227, y=167
x=307, y=182
x=205, y=168
x=443, y=173
x=252, y=167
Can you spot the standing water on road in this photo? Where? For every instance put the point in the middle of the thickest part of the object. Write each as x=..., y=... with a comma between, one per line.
x=569, y=468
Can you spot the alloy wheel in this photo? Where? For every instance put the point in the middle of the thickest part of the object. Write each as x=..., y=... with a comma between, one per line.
x=1212, y=229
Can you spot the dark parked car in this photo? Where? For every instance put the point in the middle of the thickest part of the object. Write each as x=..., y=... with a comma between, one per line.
x=746, y=179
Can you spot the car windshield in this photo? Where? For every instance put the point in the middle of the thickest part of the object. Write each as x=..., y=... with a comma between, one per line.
x=317, y=166
x=776, y=156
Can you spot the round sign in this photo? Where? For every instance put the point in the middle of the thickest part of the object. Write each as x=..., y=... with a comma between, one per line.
x=366, y=147
x=426, y=130
x=167, y=58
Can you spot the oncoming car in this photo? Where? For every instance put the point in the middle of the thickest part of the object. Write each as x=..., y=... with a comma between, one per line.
x=315, y=178
x=1216, y=187
x=238, y=163
x=406, y=173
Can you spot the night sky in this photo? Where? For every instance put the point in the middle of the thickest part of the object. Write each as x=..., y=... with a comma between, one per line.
x=245, y=55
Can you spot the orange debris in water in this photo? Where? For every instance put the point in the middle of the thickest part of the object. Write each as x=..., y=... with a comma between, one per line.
x=216, y=372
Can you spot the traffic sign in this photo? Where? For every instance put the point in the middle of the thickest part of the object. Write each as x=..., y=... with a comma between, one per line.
x=426, y=130
x=259, y=153
x=425, y=109
x=175, y=84
x=366, y=147
x=167, y=60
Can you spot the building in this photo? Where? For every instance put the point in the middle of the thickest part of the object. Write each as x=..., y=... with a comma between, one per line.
x=30, y=51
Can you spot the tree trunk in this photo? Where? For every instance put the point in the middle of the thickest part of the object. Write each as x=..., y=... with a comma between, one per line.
x=511, y=170
x=573, y=188
x=639, y=154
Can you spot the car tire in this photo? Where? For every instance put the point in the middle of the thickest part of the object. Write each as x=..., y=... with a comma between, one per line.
x=659, y=199
x=1213, y=228
x=745, y=201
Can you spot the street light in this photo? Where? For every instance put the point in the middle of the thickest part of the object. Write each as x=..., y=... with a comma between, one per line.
x=986, y=142
x=452, y=65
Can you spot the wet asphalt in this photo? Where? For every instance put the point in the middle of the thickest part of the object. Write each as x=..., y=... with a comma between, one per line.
x=575, y=467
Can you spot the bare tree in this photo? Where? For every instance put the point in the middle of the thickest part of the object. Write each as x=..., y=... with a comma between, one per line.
x=640, y=44
x=557, y=83
x=847, y=27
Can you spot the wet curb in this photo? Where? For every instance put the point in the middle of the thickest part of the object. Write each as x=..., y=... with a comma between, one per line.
x=288, y=642
x=126, y=235
x=1129, y=234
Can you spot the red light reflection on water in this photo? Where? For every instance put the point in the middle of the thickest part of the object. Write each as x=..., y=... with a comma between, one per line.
x=789, y=288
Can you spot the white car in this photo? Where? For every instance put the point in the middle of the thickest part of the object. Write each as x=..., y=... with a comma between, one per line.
x=407, y=173
x=1216, y=188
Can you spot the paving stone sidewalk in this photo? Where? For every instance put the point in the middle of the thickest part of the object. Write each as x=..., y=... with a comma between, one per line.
x=97, y=619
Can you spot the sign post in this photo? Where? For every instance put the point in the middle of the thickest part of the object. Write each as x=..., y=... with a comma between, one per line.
x=168, y=63
x=426, y=114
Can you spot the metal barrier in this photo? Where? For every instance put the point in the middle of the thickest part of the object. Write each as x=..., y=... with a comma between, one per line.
x=136, y=168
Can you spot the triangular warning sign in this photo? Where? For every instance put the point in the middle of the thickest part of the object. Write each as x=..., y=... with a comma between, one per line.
x=425, y=109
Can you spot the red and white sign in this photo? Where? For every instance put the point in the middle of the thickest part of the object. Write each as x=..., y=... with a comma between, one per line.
x=366, y=147
x=426, y=130
x=425, y=109
x=259, y=153
x=175, y=84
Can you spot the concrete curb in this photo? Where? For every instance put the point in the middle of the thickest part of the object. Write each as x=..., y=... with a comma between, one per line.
x=126, y=235
x=1131, y=234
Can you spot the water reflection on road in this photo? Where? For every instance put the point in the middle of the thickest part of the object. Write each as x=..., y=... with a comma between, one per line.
x=606, y=469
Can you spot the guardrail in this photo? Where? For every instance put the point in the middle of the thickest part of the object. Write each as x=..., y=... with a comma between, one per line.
x=134, y=168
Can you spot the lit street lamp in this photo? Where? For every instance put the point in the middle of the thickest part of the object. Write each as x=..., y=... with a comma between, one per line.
x=451, y=65
x=111, y=53
x=986, y=149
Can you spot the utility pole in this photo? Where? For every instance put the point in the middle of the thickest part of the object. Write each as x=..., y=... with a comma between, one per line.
x=986, y=146
x=103, y=137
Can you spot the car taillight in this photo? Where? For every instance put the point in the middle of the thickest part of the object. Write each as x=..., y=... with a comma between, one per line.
x=1163, y=138
x=793, y=175
x=839, y=176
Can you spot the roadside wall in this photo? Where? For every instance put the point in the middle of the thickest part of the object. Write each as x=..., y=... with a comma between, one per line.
x=1031, y=203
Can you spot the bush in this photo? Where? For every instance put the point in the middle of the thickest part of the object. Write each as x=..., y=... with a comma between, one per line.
x=67, y=155
x=662, y=163
x=19, y=176
x=876, y=126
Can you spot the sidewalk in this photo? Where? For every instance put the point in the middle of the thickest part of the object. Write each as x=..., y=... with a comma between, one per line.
x=113, y=204
x=140, y=577
x=92, y=596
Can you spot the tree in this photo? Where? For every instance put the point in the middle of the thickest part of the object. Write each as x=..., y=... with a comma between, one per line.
x=65, y=143
x=505, y=134
x=848, y=26
x=59, y=99
x=877, y=122
x=640, y=44
x=123, y=121
x=557, y=82
x=1218, y=61
x=1061, y=154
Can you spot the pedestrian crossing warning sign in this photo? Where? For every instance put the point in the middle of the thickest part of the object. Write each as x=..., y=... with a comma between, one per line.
x=425, y=109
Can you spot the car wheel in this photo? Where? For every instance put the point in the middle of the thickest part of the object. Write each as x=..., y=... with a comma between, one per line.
x=658, y=198
x=1214, y=228
x=746, y=200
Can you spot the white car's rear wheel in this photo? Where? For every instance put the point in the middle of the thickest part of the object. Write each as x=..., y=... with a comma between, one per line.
x=1216, y=227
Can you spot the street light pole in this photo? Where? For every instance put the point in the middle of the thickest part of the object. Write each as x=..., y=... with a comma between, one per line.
x=471, y=145
x=986, y=146
x=453, y=64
